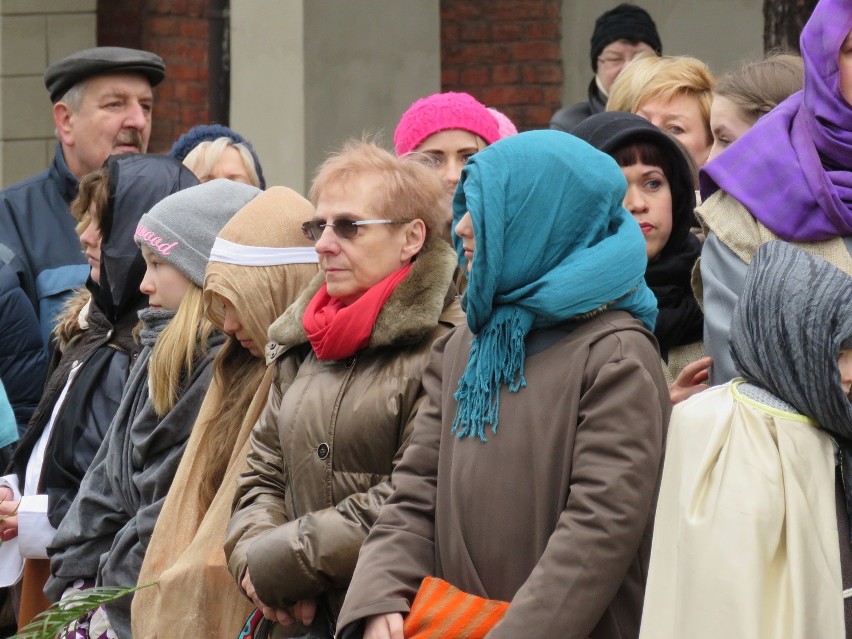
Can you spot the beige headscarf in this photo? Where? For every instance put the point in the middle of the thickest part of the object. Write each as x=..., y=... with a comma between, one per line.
x=195, y=594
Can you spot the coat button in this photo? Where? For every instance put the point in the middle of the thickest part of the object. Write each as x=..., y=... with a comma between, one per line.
x=322, y=450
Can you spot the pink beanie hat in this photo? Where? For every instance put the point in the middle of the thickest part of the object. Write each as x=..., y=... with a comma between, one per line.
x=440, y=112
x=504, y=125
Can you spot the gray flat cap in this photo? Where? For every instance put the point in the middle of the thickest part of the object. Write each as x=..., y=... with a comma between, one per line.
x=64, y=74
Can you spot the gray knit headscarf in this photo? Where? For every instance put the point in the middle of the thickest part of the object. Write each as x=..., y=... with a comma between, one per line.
x=790, y=324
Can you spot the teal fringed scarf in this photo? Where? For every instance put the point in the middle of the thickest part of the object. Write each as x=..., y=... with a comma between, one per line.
x=552, y=242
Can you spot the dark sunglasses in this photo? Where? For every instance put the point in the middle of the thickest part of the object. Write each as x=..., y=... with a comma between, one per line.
x=343, y=228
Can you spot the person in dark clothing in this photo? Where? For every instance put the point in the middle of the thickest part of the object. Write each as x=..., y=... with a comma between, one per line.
x=620, y=34
x=23, y=362
x=102, y=103
x=97, y=352
x=660, y=196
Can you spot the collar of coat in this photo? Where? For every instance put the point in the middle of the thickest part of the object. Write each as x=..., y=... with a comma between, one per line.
x=410, y=313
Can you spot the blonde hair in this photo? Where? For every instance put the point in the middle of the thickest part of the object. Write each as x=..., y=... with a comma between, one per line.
x=204, y=157
x=651, y=77
x=92, y=190
x=182, y=340
x=758, y=87
x=410, y=191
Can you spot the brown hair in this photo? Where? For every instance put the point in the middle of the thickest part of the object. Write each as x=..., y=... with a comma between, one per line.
x=758, y=87
x=92, y=199
x=650, y=77
x=410, y=190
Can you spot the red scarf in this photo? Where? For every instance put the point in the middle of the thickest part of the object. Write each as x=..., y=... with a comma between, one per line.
x=337, y=331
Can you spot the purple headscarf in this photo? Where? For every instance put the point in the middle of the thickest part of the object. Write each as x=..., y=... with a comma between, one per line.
x=793, y=169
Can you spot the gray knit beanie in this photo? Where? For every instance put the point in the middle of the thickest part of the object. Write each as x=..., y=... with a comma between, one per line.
x=182, y=227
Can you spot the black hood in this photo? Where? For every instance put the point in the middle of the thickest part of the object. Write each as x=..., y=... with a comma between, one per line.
x=136, y=183
x=680, y=320
x=613, y=130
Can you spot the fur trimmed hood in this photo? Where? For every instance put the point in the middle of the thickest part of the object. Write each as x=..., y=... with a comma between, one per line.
x=412, y=310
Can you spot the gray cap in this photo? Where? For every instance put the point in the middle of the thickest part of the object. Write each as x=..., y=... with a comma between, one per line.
x=64, y=74
x=182, y=227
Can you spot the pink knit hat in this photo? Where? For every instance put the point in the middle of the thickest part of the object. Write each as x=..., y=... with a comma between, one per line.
x=505, y=126
x=440, y=112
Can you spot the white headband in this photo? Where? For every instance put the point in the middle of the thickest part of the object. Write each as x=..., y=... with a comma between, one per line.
x=241, y=255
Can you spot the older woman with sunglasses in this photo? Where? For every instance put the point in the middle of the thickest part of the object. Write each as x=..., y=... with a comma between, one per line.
x=349, y=356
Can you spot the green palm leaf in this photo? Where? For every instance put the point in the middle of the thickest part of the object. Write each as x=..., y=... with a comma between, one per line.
x=57, y=620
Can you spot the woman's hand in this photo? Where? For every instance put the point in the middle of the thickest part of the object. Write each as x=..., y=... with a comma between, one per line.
x=387, y=626
x=303, y=611
x=691, y=380
x=8, y=515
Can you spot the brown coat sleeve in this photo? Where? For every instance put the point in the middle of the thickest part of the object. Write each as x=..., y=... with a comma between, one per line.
x=400, y=550
x=617, y=456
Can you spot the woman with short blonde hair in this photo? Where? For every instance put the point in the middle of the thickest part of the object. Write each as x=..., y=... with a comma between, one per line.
x=674, y=93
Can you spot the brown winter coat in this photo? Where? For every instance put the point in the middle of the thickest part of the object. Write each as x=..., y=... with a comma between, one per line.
x=324, y=447
x=554, y=512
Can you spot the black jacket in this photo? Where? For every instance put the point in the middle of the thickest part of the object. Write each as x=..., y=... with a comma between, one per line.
x=22, y=358
x=568, y=117
x=36, y=226
x=104, y=351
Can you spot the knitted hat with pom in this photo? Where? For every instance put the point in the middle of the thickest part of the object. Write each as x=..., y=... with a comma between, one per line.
x=441, y=112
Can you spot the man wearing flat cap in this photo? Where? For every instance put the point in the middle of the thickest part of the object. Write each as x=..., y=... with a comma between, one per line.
x=620, y=34
x=102, y=101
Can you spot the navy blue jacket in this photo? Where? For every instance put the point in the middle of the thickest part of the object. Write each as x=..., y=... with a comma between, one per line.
x=36, y=226
x=23, y=363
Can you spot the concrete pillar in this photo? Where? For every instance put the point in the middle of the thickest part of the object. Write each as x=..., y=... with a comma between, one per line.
x=308, y=74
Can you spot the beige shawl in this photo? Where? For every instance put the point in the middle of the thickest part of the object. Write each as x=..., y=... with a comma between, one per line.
x=745, y=535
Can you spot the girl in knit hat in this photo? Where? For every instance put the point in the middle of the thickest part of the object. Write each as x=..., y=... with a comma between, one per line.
x=444, y=130
x=752, y=532
x=259, y=264
x=213, y=151
x=661, y=198
x=533, y=466
x=104, y=536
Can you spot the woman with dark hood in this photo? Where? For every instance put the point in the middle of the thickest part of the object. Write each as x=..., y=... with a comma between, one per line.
x=751, y=537
x=87, y=378
x=661, y=198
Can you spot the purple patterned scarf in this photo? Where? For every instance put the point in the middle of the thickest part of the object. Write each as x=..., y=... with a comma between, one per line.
x=793, y=169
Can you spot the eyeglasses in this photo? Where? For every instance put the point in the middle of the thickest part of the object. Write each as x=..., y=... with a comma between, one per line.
x=619, y=60
x=344, y=229
x=615, y=61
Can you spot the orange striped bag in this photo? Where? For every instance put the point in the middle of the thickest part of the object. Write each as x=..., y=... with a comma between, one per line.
x=441, y=610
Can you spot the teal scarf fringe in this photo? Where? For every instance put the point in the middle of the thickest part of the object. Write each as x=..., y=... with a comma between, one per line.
x=497, y=357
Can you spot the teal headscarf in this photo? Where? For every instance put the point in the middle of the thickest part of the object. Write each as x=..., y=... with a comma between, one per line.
x=552, y=242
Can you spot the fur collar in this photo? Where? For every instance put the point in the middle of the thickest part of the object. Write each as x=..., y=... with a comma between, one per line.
x=410, y=313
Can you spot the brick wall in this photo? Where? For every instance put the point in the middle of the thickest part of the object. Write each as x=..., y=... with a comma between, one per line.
x=179, y=32
x=506, y=53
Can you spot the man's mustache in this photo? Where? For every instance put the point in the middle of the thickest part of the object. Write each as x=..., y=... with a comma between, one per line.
x=129, y=137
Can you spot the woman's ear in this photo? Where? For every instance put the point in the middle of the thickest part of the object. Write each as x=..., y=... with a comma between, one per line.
x=415, y=237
